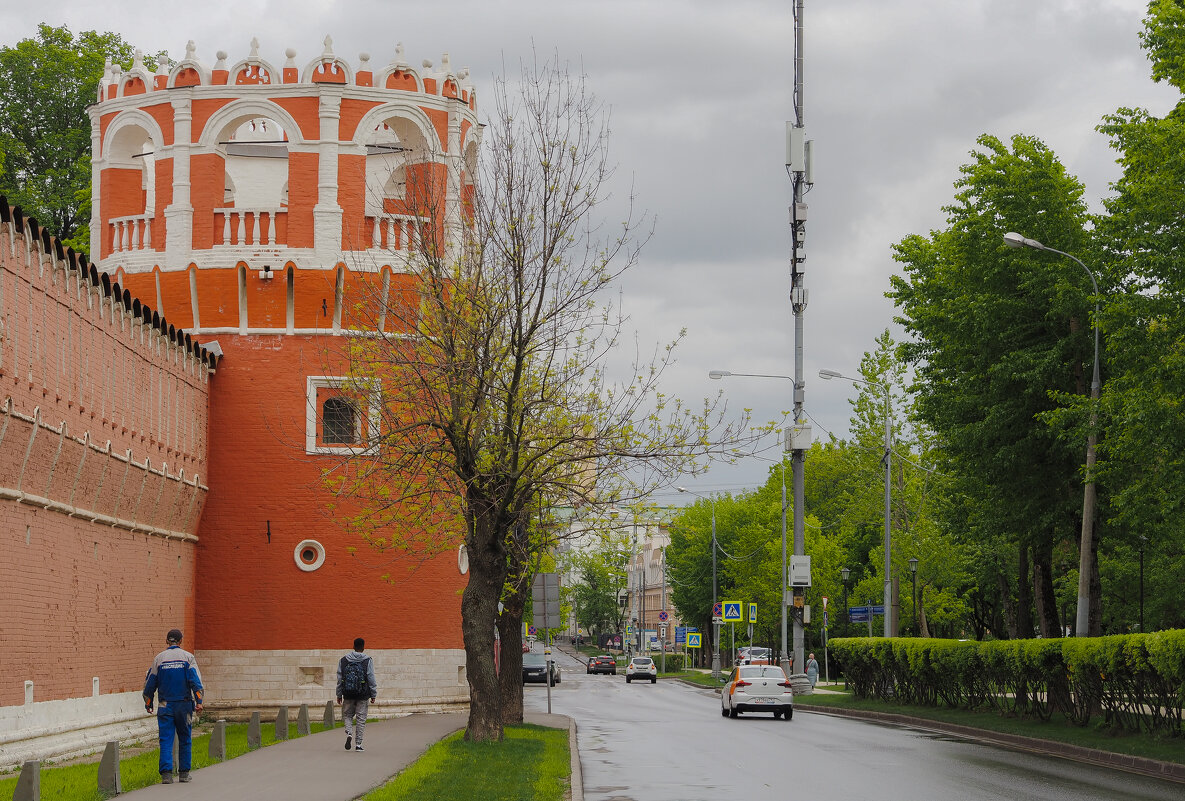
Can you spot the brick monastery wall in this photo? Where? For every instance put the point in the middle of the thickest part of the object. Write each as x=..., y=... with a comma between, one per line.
x=103, y=451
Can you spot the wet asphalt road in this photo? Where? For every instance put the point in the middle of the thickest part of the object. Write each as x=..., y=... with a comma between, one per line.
x=668, y=742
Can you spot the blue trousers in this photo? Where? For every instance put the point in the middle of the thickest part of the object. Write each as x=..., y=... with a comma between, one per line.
x=172, y=720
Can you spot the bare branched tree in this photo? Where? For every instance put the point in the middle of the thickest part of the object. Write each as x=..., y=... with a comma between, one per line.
x=489, y=367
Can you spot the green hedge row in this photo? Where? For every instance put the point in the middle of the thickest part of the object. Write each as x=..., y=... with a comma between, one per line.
x=1135, y=681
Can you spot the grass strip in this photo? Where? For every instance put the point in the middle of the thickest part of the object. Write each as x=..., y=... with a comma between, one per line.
x=1096, y=735
x=80, y=782
x=532, y=763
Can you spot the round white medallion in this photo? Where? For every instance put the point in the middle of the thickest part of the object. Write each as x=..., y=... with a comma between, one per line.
x=309, y=555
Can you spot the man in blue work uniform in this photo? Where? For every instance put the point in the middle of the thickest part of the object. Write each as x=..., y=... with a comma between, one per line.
x=175, y=680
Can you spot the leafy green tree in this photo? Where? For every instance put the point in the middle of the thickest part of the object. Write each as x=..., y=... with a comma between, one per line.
x=1142, y=458
x=997, y=336
x=46, y=83
x=601, y=576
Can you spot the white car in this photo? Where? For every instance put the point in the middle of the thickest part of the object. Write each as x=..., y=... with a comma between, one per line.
x=641, y=667
x=757, y=688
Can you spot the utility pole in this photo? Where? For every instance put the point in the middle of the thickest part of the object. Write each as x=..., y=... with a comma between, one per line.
x=799, y=436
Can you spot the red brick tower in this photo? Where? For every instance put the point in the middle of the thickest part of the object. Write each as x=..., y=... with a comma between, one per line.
x=243, y=202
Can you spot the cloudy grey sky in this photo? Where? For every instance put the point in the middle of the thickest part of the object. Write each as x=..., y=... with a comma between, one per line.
x=896, y=91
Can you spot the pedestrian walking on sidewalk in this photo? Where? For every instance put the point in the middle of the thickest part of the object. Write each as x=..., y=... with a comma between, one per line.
x=812, y=670
x=175, y=681
x=356, y=690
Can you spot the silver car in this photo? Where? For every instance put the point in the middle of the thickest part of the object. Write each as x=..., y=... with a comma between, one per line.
x=641, y=667
x=757, y=688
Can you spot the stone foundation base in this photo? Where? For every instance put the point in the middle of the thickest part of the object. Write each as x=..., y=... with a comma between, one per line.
x=71, y=727
x=410, y=680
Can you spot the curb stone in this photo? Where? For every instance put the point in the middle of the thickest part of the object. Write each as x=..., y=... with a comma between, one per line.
x=1170, y=771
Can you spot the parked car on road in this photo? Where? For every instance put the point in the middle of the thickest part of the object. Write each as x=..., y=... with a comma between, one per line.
x=757, y=688
x=754, y=656
x=537, y=667
x=603, y=664
x=641, y=667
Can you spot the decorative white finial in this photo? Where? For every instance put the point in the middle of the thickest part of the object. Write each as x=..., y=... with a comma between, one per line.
x=221, y=63
x=138, y=60
x=464, y=73
x=162, y=64
x=445, y=65
x=399, y=60
x=363, y=62
x=291, y=54
x=328, y=51
x=254, y=49
x=190, y=50
x=427, y=63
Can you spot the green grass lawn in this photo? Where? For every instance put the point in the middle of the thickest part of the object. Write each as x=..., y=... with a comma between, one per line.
x=532, y=763
x=1056, y=729
x=81, y=782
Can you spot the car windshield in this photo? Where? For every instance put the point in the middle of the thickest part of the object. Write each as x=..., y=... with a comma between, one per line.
x=534, y=660
x=762, y=672
x=642, y=661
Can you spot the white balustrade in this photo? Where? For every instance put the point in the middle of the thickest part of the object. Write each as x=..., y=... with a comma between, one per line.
x=236, y=220
x=396, y=232
x=132, y=232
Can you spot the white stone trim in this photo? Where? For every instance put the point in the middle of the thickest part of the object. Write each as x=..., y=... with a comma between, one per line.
x=317, y=547
x=315, y=382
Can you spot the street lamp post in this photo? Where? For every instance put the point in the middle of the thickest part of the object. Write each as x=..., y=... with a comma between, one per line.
x=1086, y=566
x=828, y=375
x=799, y=541
x=844, y=573
x=715, y=627
x=913, y=573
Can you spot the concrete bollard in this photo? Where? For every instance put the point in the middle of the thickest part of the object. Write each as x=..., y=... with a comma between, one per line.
x=109, y=782
x=218, y=741
x=330, y=715
x=28, y=786
x=302, y=720
x=254, y=738
x=282, y=723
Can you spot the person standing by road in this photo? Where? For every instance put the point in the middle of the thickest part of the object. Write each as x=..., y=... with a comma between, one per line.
x=176, y=682
x=812, y=670
x=356, y=691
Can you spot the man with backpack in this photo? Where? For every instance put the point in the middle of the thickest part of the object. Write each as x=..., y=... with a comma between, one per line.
x=356, y=690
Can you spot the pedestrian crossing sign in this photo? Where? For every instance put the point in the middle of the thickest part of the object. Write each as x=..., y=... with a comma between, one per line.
x=693, y=640
x=752, y=613
x=732, y=612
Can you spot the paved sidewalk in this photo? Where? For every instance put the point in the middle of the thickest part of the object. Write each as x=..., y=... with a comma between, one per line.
x=316, y=767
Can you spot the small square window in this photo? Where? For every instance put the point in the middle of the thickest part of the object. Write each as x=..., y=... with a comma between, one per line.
x=339, y=422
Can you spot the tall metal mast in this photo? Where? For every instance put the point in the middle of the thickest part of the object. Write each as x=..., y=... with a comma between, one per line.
x=799, y=438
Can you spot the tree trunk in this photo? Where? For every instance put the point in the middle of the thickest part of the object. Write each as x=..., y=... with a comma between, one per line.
x=479, y=612
x=1096, y=584
x=1024, y=592
x=1043, y=593
x=1007, y=603
x=510, y=633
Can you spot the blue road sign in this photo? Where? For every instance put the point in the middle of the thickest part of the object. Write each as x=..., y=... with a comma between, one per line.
x=732, y=612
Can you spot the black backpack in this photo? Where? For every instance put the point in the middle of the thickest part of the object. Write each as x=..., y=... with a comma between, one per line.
x=354, y=683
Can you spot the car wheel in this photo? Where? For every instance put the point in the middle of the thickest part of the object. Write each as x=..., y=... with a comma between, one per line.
x=628, y=679
x=777, y=714
x=654, y=679
x=723, y=711
x=789, y=713
x=732, y=713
